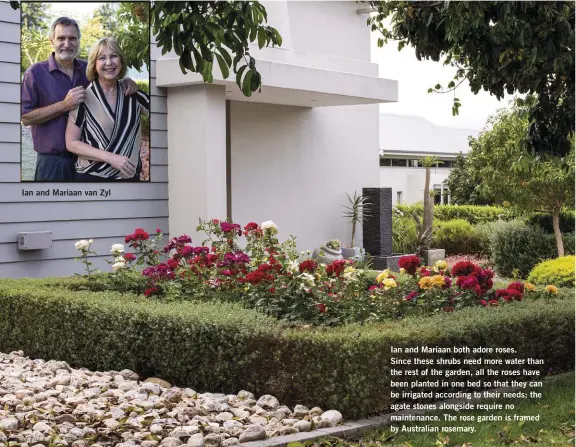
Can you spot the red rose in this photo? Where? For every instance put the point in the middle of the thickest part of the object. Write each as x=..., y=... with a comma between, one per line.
x=516, y=286
x=411, y=296
x=372, y=288
x=321, y=307
x=501, y=293
x=308, y=266
x=465, y=268
x=158, y=230
x=251, y=226
x=515, y=294
x=336, y=267
x=449, y=309
x=173, y=263
x=409, y=264
x=129, y=256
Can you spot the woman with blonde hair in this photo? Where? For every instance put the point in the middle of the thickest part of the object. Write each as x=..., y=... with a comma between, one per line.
x=104, y=131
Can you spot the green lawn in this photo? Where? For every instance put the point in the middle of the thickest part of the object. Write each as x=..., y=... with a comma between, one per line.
x=555, y=428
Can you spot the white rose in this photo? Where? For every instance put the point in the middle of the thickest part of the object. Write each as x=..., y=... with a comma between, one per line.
x=293, y=267
x=307, y=278
x=118, y=266
x=117, y=248
x=120, y=259
x=83, y=244
x=269, y=225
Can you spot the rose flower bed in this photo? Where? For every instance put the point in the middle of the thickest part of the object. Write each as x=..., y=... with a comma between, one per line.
x=221, y=318
x=274, y=278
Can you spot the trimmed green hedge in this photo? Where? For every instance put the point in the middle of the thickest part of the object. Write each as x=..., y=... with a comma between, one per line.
x=477, y=214
x=225, y=348
x=471, y=213
x=456, y=236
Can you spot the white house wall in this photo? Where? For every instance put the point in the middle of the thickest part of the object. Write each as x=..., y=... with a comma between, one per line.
x=294, y=165
x=106, y=220
x=410, y=181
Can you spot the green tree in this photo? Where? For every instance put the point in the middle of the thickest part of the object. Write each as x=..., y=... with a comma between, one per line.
x=133, y=33
x=515, y=46
x=34, y=35
x=107, y=13
x=202, y=32
x=464, y=184
x=530, y=183
x=36, y=16
x=35, y=47
x=91, y=32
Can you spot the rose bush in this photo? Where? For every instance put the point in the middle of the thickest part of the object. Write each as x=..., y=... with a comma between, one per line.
x=251, y=266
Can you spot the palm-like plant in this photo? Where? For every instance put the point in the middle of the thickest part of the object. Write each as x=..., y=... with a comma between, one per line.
x=425, y=230
x=357, y=211
x=35, y=47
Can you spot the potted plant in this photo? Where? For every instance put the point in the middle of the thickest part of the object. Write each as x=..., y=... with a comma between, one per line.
x=425, y=227
x=328, y=252
x=357, y=210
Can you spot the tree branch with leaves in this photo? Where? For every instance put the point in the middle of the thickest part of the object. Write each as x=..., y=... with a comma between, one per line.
x=500, y=47
x=530, y=183
x=201, y=33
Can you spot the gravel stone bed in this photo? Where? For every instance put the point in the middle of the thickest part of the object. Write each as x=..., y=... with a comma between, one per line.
x=48, y=403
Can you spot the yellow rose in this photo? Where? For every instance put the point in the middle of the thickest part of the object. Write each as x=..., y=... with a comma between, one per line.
x=382, y=276
x=441, y=266
x=424, y=282
x=388, y=283
x=437, y=280
x=529, y=286
x=552, y=289
x=402, y=270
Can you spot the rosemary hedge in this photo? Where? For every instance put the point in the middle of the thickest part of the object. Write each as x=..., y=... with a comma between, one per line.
x=225, y=348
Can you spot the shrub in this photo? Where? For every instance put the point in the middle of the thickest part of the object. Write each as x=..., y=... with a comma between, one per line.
x=404, y=234
x=470, y=213
x=225, y=348
x=456, y=236
x=517, y=248
x=544, y=221
x=559, y=272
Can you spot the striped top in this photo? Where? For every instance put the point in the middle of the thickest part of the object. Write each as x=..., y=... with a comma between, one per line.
x=116, y=131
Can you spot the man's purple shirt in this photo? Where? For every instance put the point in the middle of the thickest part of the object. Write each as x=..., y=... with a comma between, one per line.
x=45, y=84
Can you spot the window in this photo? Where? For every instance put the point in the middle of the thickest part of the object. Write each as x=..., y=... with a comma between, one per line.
x=398, y=197
x=437, y=194
x=400, y=162
x=445, y=164
x=385, y=162
x=413, y=163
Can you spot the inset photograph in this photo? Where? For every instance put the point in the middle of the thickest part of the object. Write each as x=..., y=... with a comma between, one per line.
x=85, y=97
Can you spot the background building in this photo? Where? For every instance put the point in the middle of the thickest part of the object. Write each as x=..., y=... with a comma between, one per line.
x=403, y=140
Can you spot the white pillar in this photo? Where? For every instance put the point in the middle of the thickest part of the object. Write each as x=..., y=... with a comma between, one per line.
x=196, y=157
x=441, y=193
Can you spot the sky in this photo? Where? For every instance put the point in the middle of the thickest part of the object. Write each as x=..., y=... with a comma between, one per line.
x=416, y=77
x=78, y=11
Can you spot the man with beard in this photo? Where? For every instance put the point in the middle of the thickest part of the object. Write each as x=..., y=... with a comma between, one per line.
x=50, y=89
